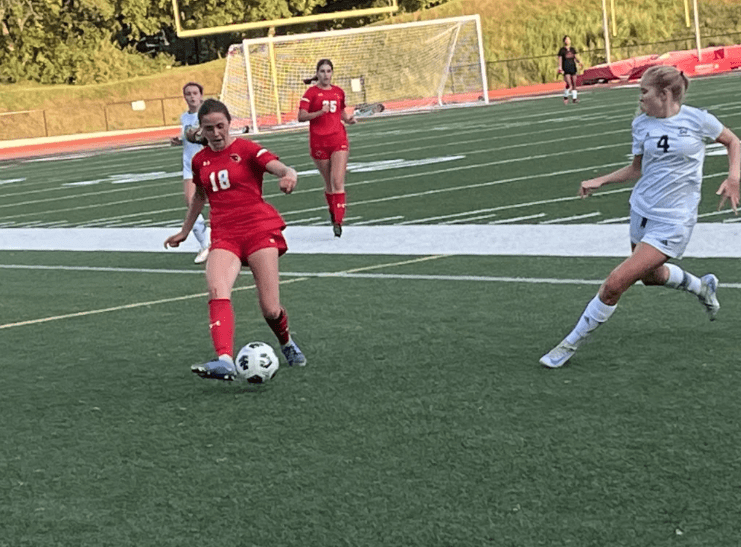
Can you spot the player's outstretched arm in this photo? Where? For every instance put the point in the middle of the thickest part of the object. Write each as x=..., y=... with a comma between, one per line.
x=288, y=178
x=624, y=174
x=194, y=209
x=729, y=188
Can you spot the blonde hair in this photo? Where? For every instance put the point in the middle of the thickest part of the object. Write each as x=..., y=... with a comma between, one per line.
x=666, y=77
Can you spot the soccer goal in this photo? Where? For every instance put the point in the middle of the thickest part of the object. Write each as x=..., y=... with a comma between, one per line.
x=389, y=68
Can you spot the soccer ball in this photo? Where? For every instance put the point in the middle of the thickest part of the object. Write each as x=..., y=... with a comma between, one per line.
x=257, y=363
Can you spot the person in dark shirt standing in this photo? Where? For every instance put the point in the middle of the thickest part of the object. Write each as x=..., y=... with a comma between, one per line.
x=567, y=61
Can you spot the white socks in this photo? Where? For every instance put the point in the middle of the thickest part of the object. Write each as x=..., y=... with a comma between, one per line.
x=573, y=94
x=594, y=315
x=684, y=281
x=199, y=230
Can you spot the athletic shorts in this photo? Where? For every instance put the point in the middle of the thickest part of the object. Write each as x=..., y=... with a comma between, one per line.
x=670, y=239
x=570, y=70
x=243, y=247
x=187, y=169
x=322, y=147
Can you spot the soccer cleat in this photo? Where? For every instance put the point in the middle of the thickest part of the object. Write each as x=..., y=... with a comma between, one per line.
x=707, y=295
x=216, y=370
x=337, y=229
x=574, y=100
x=558, y=356
x=201, y=256
x=565, y=100
x=293, y=355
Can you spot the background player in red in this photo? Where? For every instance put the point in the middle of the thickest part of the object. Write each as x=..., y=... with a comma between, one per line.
x=323, y=106
x=245, y=230
x=567, y=61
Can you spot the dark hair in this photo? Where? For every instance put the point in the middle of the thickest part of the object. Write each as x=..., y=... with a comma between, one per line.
x=212, y=105
x=315, y=78
x=194, y=84
x=564, y=38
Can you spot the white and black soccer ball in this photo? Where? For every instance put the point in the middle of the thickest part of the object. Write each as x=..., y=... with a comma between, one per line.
x=257, y=362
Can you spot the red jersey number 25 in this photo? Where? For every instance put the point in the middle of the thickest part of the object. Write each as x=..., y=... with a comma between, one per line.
x=223, y=180
x=332, y=105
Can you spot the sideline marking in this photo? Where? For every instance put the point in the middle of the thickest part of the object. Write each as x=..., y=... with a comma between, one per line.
x=302, y=277
x=129, y=306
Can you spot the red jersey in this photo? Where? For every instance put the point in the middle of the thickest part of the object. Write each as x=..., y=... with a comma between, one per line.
x=232, y=179
x=329, y=123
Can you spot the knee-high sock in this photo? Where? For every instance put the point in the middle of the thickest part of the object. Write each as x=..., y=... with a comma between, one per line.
x=596, y=313
x=682, y=280
x=339, y=207
x=221, y=315
x=330, y=204
x=279, y=326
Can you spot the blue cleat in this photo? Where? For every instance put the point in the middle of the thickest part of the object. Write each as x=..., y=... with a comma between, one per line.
x=293, y=355
x=219, y=369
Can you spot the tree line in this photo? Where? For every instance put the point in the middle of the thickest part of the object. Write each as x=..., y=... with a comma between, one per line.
x=98, y=41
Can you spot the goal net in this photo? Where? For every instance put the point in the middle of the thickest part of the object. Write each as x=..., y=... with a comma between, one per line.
x=390, y=68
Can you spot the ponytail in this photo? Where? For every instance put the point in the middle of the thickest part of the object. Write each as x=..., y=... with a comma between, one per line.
x=315, y=77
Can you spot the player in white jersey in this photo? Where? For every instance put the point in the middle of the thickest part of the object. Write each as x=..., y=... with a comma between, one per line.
x=668, y=155
x=193, y=95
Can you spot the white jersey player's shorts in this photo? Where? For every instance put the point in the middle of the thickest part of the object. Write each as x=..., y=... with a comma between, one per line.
x=187, y=168
x=670, y=239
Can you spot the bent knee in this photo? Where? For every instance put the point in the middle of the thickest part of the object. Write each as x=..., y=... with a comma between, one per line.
x=611, y=291
x=271, y=311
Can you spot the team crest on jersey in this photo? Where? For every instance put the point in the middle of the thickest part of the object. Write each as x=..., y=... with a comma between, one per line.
x=683, y=131
x=235, y=158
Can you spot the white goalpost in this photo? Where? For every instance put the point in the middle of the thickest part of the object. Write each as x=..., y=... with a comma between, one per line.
x=394, y=68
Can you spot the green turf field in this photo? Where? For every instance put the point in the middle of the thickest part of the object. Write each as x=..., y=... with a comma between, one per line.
x=423, y=417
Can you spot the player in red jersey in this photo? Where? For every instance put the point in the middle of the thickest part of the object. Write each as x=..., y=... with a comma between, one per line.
x=323, y=106
x=245, y=230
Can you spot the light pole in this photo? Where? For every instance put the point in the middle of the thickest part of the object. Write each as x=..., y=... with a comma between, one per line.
x=606, y=31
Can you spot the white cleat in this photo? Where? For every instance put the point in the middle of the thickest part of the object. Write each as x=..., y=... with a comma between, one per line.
x=558, y=356
x=708, y=296
x=201, y=256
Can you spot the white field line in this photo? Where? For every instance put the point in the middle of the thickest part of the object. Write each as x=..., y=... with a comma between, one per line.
x=160, y=176
x=517, y=219
x=434, y=146
x=303, y=276
x=377, y=220
x=197, y=295
x=127, y=307
x=568, y=219
x=466, y=220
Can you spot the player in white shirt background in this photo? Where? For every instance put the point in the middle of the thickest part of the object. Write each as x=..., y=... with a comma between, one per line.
x=193, y=95
x=668, y=156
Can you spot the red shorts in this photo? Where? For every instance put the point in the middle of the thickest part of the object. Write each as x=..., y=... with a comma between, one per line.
x=323, y=147
x=243, y=247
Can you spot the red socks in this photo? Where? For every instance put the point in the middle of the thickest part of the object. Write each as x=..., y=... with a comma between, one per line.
x=336, y=204
x=221, y=317
x=279, y=326
x=339, y=207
